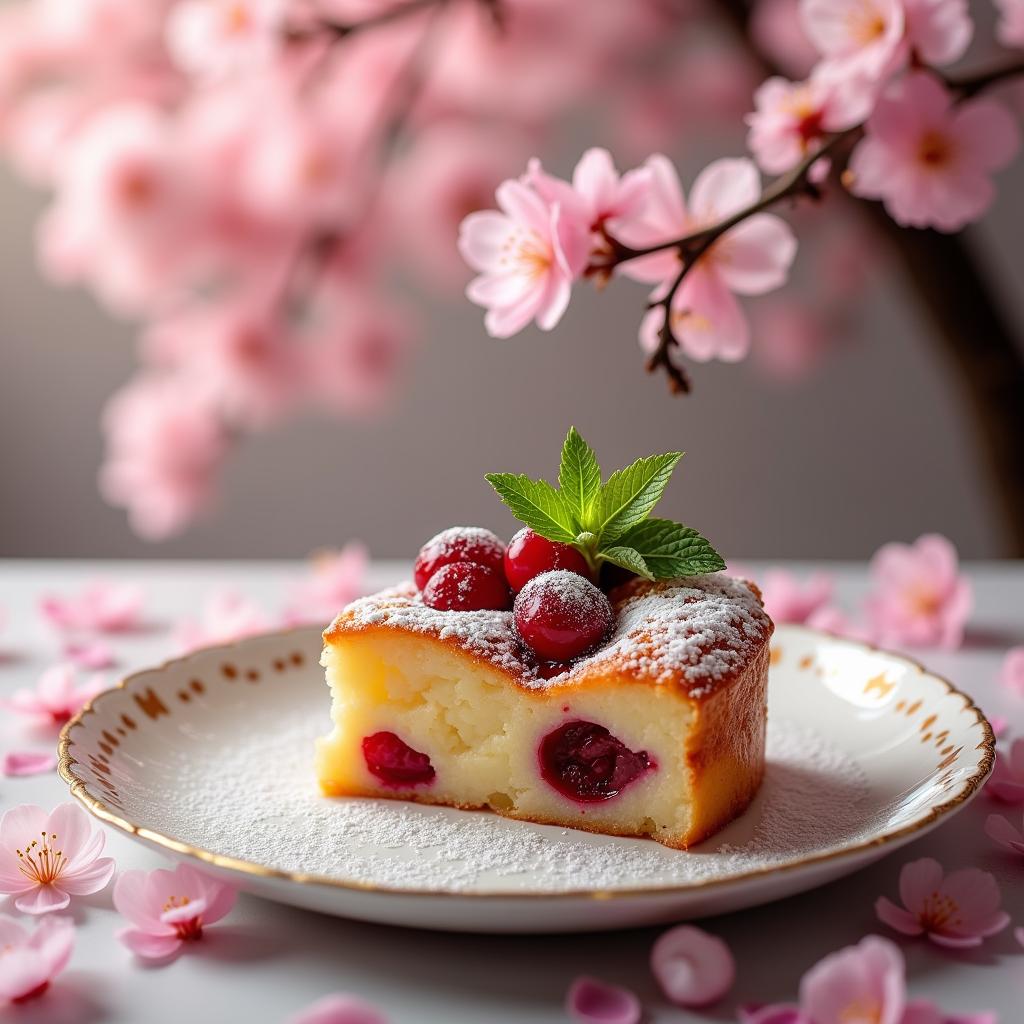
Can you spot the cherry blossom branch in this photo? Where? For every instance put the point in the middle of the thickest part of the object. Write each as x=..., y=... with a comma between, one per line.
x=792, y=185
x=693, y=246
x=973, y=84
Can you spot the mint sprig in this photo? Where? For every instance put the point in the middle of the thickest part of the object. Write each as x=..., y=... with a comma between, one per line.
x=611, y=521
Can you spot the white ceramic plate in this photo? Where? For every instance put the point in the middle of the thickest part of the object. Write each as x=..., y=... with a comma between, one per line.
x=208, y=758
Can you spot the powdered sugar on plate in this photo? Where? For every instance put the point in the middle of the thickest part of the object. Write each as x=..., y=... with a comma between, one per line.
x=699, y=630
x=256, y=800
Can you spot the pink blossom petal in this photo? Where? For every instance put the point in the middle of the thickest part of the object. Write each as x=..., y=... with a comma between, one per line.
x=591, y=1001
x=32, y=960
x=1000, y=830
x=140, y=901
x=692, y=967
x=757, y=255
x=29, y=762
x=91, y=655
x=723, y=188
x=20, y=825
x=918, y=880
x=90, y=879
x=149, y=946
x=977, y=895
x=43, y=899
x=338, y=1009
x=897, y=917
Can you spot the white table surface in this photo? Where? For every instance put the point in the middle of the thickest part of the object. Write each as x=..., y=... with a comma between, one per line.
x=266, y=961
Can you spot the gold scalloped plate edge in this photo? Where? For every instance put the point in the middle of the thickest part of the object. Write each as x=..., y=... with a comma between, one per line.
x=967, y=790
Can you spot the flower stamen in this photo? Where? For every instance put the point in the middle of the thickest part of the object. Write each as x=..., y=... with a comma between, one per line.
x=42, y=862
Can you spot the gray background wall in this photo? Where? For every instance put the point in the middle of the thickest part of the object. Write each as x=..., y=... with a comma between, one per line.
x=874, y=447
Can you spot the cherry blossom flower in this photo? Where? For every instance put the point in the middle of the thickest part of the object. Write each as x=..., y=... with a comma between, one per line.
x=791, y=119
x=45, y=859
x=692, y=967
x=1006, y=783
x=57, y=696
x=235, y=354
x=168, y=908
x=1001, y=831
x=221, y=36
x=29, y=961
x=959, y=910
x=225, y=616
x=1010, y=30
x=28, y=762
x=858, y=39
x=90, y=654
x=338, y=1009
x=335, y=579
x=786, y=599
x=751, y=259
x=598, y=192
x=528, y=257
x=121, y=214
x=867, y=977
x=101, y=607
x=929, y=160
x=1011, y=674
x=590, y=1001
x=919, y=597
x=164, y=448
x=856, y=985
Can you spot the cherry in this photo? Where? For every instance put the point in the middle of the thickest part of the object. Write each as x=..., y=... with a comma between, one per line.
x=529, y=554
x=394, y=762
x=466, y=587
x=585, y=762
x=561, y=615
x=459, y=544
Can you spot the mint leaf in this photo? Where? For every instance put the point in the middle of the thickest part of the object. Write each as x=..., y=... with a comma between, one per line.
x=629, y=559
x=579, y=477
x=537, y=504
x=630, y=494
x=670, y=549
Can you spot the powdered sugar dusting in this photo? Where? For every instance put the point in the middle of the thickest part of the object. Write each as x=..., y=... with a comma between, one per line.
x=814, y=799
x=699, y=629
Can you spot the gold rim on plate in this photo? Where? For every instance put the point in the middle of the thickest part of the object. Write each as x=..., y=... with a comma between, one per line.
x=79, y=790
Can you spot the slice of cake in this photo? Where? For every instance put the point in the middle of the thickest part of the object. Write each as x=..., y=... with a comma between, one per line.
x=657, y=729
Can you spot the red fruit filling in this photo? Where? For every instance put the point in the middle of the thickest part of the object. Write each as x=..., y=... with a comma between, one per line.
x=466, y=587
x=561, y=615
x=459, y=544
x=394, y=762
x=585, y=762
x=529, y=554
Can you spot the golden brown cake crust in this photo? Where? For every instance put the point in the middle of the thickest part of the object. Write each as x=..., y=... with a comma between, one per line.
x=697, y=634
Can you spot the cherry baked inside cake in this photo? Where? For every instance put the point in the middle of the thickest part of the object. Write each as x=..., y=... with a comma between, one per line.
x=510, y=680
